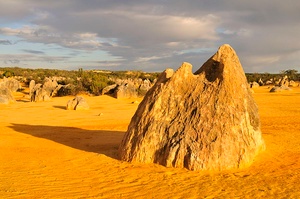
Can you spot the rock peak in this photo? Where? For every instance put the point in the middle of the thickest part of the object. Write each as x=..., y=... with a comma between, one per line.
x=202, y=121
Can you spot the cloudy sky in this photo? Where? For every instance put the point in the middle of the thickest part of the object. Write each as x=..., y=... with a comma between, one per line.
x=148, y=35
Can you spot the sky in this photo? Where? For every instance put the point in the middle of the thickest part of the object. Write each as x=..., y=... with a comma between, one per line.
x=148, y=35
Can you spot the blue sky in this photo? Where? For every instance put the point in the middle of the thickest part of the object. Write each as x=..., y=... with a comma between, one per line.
x=148, y=35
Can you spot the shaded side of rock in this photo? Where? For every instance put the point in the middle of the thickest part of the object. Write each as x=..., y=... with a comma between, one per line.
x=108, y=90
x=202, y=121
x=64, y=90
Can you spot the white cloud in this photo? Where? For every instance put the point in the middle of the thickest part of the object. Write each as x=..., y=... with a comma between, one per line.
x=147, y=59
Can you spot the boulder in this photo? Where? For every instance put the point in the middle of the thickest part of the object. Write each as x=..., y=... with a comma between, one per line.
x=279, y=89
x=144, y=86
x=78, y=103
x=64, y=90
x=31, y=90
x=127, y=90
x=12, y=84
x=269, y=82
x=260, y=82
x=50, y=86
x=6, y=96
x=283, y=82
x=293, y=84
x=202, y=121
x=254, y=85
x=43, y=92
x=40, y=95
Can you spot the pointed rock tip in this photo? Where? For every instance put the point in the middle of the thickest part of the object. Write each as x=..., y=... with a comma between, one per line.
x=225, y=46
x=168, y=72
x=185, y=68
x=224, y=59
x=165, y=75
x=224, y=49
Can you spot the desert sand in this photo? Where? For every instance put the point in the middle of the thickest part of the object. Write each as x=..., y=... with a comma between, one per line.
x=49, y=152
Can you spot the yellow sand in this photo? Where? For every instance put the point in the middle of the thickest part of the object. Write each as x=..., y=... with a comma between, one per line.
x=49, y=152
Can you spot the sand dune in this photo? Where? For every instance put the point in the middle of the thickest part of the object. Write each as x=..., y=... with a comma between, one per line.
x=49, y=152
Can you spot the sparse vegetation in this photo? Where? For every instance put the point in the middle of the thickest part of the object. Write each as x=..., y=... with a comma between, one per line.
x=91, y=81
x=255, y=77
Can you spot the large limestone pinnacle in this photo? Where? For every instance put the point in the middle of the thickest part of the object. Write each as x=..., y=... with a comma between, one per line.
x=202, y=121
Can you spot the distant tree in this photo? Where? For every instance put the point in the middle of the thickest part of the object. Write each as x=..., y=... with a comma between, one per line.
x=291, y=73
x=8, y=73
x=80, y=72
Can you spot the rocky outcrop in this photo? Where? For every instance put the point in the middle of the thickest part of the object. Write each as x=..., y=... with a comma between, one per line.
x=202, y=121
x=78, y=103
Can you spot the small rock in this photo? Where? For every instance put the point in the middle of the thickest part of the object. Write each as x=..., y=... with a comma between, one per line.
x=78, y=103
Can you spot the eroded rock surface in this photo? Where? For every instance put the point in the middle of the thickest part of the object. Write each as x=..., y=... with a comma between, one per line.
x=202, y=121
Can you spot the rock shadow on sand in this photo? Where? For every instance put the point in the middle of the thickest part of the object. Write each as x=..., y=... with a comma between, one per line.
x=98, y=141
x=60, y=107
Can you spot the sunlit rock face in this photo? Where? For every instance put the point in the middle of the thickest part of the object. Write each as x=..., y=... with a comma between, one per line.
x=202, y=121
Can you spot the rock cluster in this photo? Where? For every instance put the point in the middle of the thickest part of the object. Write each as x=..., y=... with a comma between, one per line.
x=43, y=92
x=202, y=121
x=283, y=82
x=128, y=88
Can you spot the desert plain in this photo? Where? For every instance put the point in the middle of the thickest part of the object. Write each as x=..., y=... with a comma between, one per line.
x=49, y=152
